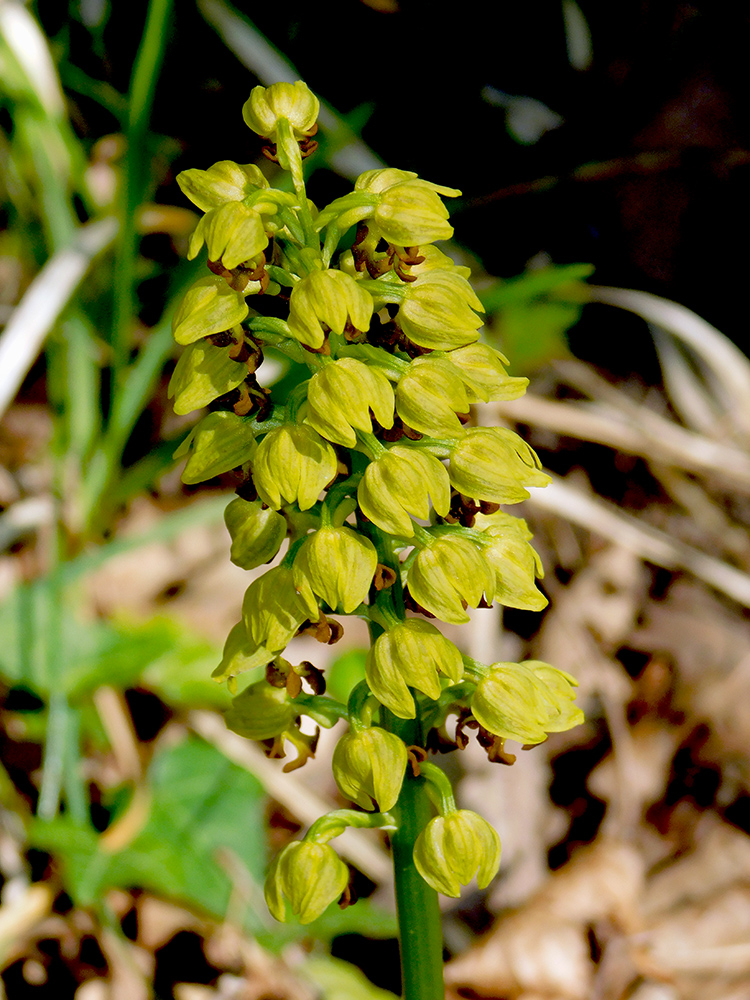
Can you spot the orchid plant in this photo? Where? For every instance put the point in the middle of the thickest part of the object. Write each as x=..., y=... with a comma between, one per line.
x=372, y=494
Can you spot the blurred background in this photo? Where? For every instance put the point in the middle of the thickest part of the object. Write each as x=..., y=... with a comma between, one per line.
x=603, y=155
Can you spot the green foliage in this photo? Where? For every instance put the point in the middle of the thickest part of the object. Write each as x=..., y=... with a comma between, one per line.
x=532, y=313
x=201, y=836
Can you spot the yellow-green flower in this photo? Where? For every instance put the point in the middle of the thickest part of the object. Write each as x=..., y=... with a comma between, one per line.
x=219, y=442
x=505, y=544
x=241, y=654
x=202, y=374
x=224, y=181
x=337, y=565
x=401, y=482
x=369, y=766
x=256, y=532
x=327, y=299
x=261, y=712
x=293, y=464
x=293, y=101
x=439, y=311
x=496, y=465
x=429, y=396
x=306, y=876
x=340, y=397
x=273, y=610
x=483, y=372
x=232, y=233
x=411, y=654
x=411, y=213
x=525, y=701
x=448, y=575
x=209, y=306
x=452, y=849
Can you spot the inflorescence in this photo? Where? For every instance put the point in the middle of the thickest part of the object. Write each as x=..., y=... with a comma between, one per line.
x=370, y=471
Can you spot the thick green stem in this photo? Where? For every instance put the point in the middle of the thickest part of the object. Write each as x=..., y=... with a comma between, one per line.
x=416, y=903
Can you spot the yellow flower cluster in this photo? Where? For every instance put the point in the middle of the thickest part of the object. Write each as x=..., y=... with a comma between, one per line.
x=366, y=482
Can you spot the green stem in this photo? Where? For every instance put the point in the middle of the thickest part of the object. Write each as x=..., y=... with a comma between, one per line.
x=417, y=906
x=416, y=903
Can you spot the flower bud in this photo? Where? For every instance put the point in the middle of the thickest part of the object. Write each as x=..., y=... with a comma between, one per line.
x=209, y=306
x=219, y=442
x=273, y=610
x=505, y=544
x=224, y=181
x=482, y=370
x=439, y=311
x=452, y=849
x=293, y=101
x=369, y=767
x=232, y=233
x=448, y=575
x=307, y=876
x=293, y=464
x=261, y=712
x=340, y=397
x=410, y=654
x=496, y=465
x=202, y=374
x=400, y=482
x=523, y=702
x=256, y=532
x=330, y=298
x=429, y=396
x=337, y=565
x=411, y=213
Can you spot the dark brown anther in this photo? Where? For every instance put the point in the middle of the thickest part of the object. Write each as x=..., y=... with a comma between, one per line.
x=464, y=418
x=438, y=741
x=488, y=508
x=326, y=630
x=246, y=403
x=411, y=434
x=412, y=605
x=337, y=631
x=313, y=675
x=361, y=234
x=465, y=720
x=221, y=339
x=348, y=898
x=494, y=747
x=384, y=577
x=293, y=684
x=247, y=490
x=276, y=675
x=352, y=335
x=239, y=351
x=324, y=349
x=254, y=358
x=415, y=757
x=269, y=151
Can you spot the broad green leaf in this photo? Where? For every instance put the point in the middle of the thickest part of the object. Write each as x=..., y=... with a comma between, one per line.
x=202, y=835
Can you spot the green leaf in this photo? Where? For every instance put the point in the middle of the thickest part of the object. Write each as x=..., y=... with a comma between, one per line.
x=202, y=840
x=339, y=980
